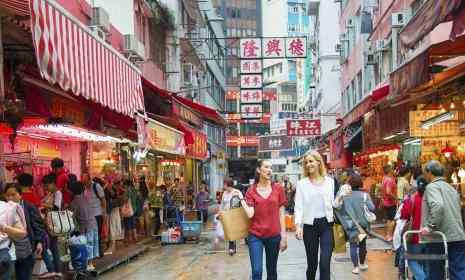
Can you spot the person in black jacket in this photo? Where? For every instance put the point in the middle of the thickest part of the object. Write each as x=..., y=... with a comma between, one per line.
x=32, y=243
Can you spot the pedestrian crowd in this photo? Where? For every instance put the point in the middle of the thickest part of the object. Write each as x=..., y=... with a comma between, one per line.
x=37, y=221
x=417, y=203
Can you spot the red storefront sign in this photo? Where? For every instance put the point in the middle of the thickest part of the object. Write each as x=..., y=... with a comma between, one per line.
x=303, y=127
x=186, y=114
x=198, y=149
x=244, y=141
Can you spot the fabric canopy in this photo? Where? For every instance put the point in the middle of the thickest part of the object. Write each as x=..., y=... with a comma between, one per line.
x=70, y=55
x=431, y=14
x=204, y=111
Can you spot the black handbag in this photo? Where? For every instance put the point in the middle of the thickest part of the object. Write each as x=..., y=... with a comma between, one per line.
x=5, y=261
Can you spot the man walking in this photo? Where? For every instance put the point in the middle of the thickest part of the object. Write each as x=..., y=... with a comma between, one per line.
x=441, y=211
x=389, y=200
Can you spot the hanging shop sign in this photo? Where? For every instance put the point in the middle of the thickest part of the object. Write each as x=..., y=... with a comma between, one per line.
x=303, y=127
x=447, y=128
x=244, y=141
x=164, y=139
x=232, y=95
x=275, y=143
x=371, y=132
x=198, y=149
x=250, y=81
x=251, y=111
x=186, y=114
x=251, y=96
x=251, y=66
x=67, y=110
x=273, y=47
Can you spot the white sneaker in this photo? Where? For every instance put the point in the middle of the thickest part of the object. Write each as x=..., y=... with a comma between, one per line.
x=356, y=270
x=363, y=267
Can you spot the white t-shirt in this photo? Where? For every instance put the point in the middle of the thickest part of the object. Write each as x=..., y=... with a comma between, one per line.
x=58, y=199
x=8, y=216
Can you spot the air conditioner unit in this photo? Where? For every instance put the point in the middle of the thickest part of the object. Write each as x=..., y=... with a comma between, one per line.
x=338, y=48
x=133, y=48
x=400, y=19
x=100, y=19
x=187, y=74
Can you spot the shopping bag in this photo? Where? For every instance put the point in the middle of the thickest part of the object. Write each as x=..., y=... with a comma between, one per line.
x=235, y=223
x=339, y=239
x=290, y=224
x=60, y=222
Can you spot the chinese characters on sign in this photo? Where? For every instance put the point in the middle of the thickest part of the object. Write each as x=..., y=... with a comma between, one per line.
x=281, y=47
x=252, y=111
x=251, y=48
x=275, y=143
x=251, y=96
x=251, y=81
x=303, y=127
x=274, y=47
x=251, y=66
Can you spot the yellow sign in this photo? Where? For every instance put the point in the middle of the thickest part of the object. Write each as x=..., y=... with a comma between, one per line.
x=447, y=128
x=163, y=139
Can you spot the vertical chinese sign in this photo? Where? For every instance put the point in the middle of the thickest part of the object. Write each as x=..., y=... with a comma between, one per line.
x=251, y=73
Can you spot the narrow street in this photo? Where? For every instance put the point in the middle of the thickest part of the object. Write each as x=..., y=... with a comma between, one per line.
x=196, y=261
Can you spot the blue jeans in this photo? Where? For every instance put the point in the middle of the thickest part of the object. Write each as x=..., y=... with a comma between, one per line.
x=92, y=243
x=24, y=267
x=316, y=236
x=417, y=267
x=48, y=260
x=358, y=251
x=6, y=266
x=271, y=245
x=456, y=261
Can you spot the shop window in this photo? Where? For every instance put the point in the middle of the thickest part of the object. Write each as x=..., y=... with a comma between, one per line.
x=249, y=152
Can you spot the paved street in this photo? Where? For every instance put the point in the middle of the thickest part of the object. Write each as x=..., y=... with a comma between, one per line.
x=196, y=261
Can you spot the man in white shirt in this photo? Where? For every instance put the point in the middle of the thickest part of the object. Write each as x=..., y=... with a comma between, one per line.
x=11, y=227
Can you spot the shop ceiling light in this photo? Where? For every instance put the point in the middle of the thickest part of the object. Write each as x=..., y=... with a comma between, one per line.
x=412, y=141
x=437, y=119
x=75, y=132
x=390, y=137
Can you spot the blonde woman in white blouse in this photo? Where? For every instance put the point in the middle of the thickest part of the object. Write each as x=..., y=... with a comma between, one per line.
x=314, y=217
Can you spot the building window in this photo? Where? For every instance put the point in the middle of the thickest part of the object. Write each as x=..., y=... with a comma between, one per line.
x=232, y=152
x=360, y=85
x=292, y=28
x=231, y=106
x=249, y=152
x=294, y=9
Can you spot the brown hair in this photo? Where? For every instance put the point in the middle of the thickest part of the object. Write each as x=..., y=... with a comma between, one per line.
x=355, y=181
x=257, y=175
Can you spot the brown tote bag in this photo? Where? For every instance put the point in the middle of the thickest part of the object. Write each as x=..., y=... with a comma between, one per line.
x=235, y=223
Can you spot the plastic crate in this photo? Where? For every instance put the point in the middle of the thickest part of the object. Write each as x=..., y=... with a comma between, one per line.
x=191, y=229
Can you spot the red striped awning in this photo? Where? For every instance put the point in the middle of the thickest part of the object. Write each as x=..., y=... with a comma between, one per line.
x=15, y=7
x=70, y=55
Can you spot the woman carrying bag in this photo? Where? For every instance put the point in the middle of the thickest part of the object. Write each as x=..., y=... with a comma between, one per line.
x=314, y=216
x=265, y=205
x=354, y=214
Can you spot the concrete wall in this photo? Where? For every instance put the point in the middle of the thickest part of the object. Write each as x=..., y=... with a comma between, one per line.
x=328, y=63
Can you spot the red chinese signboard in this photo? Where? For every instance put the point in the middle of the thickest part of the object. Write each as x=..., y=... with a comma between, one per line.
x=270, y=94
x=303, y=127
x=251, y=96
x=275, y=143
x=251, y=66
x=244, y=141
x=251, y=111
x=186, y=114
x=274, y=47
x=251, y=81
x=296, y=47
x=251, y=48
x=198, y=149
x=232, y=95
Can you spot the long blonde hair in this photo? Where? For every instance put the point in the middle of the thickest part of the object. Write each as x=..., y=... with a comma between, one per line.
x=316, y=156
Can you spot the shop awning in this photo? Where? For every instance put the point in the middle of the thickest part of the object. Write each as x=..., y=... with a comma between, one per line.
x=357, y=113
x=70, y=55
x=431, y=14
x=15, y=7
x=380, y=93
x=155, y=89
x=206, y=112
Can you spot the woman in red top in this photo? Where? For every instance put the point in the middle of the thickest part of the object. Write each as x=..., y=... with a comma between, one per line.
x=411, y=210
x=265, y=205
